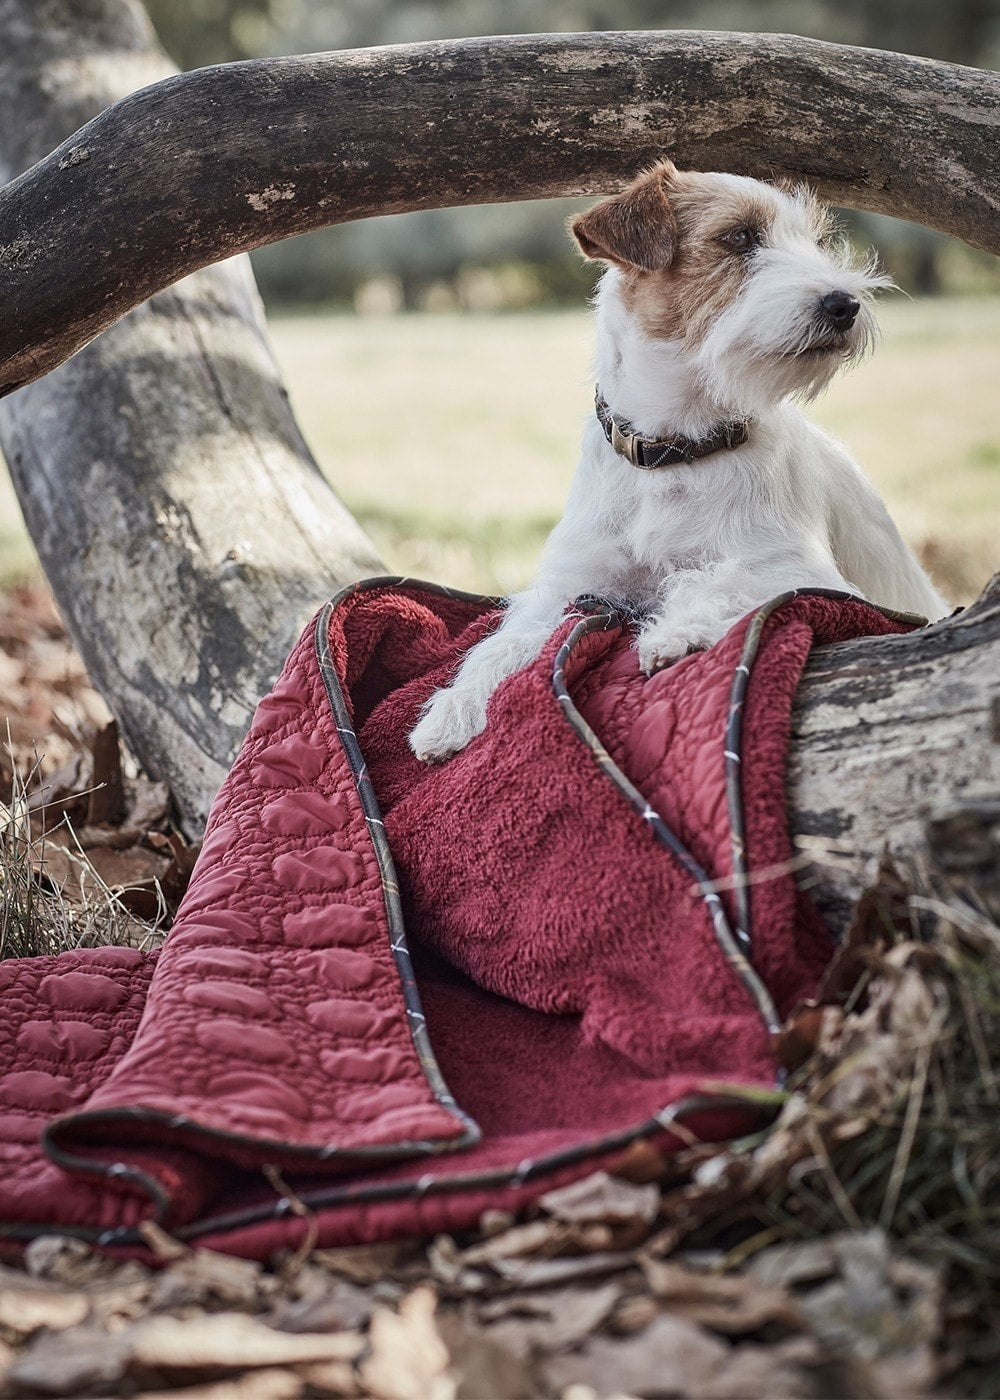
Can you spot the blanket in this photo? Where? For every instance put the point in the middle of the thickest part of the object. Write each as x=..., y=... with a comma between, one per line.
x=396, y=995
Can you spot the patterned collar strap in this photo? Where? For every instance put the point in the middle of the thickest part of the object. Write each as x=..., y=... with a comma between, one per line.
x=649, y=453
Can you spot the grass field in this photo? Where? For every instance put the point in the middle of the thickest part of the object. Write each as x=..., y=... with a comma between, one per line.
x=453, y=437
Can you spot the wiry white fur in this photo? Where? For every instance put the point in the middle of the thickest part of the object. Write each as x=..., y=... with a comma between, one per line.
x=695, y=548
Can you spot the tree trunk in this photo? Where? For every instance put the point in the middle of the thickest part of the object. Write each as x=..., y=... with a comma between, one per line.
x=887, y=731
x=185, y=529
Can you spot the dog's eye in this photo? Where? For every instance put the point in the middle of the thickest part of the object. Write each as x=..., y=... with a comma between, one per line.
x=740, y=240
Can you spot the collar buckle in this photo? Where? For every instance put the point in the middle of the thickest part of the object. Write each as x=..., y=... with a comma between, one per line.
x=649, y=455
x=625, y=444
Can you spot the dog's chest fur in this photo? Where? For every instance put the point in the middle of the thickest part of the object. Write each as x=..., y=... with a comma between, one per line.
x=687, y=516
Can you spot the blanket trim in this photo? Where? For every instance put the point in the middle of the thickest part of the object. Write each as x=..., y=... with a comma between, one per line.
x=741, y=876
x=735, y=950
x=416, y=1020
x=673, y=1118
x=756, y=1107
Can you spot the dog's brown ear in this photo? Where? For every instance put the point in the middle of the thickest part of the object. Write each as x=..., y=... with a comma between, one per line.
x=634, y=229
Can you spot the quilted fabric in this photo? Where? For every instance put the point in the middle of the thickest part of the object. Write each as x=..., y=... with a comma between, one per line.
x=397, y=995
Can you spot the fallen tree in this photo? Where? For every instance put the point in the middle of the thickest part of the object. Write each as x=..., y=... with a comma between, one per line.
x=183, y=525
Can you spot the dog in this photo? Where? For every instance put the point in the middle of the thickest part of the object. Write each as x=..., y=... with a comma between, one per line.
x=702, y=490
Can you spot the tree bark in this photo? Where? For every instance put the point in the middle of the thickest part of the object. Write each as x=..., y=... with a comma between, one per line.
x=885, y=732
x=184, y=527
x=225, y=159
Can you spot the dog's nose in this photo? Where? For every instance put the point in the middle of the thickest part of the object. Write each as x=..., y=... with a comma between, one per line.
x=839, y=309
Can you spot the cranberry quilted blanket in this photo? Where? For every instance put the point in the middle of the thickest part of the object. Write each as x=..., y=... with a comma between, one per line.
x=396, y=995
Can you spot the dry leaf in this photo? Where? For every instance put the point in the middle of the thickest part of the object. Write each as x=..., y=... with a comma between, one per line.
x=408, y=1360
x=366, y=1263
x=149, y=805
x=495, y=1222
x=783, y=1265
x=204, y=1277
x=258, y=1385
x=327, y=1304
x=911, y=1375
x=71, y=1363
x=63, y=791
x=641, y=1162
x=538, y=1235
x=549, y=1273
x=727, y=1303
x=482, y=1366
x=329, y=1378
x=106, y=800
x=633, y=1314
x=864, y=1311
x=63, y=1259
x=788, y=1368
x=165, y=1247
x=448, y=1265
x=229, y=1341
x=557, y=1320
x=671, y=1357
x=601, y=1197
x=25, y=1310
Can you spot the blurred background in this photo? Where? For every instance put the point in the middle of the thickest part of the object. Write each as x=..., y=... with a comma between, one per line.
x=445, y=323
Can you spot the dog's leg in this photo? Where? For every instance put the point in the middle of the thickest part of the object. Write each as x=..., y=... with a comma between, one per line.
x=697, y=607
x=866, y=543
x=582, y=555
x=457, y=713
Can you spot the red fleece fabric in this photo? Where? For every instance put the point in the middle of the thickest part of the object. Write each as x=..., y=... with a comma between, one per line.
x=551, y=980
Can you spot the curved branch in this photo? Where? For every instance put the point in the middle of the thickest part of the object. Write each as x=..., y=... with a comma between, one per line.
x=226, y=159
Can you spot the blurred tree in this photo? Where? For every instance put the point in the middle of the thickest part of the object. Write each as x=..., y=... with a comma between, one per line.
x=199, y=32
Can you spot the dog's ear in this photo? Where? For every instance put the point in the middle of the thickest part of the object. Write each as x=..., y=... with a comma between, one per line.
x=634, y=229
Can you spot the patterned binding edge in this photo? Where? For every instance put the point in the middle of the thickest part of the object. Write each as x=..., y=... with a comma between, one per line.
x=327, y=1197
x=734, y=736
x=735, y=950
x=390, y=887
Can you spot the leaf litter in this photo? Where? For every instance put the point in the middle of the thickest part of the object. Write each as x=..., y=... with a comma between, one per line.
x=848, y=1248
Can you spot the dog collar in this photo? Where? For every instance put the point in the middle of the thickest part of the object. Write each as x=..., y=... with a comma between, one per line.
x=649, y=453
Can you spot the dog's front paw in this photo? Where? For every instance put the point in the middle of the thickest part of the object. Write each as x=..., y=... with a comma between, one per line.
x=657, y=656
x=661, y=644
x=449, y=720
x=657, y=653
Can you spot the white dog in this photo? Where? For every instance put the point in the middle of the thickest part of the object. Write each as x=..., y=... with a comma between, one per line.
x=702, y=491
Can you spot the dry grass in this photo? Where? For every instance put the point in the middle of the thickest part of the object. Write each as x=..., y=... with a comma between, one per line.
x=38, y=918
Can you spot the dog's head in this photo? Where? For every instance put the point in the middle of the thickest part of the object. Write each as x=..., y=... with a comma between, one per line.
x=746, y=276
